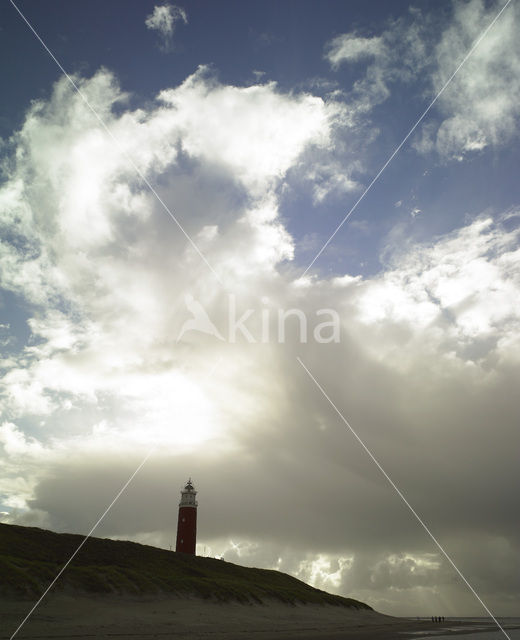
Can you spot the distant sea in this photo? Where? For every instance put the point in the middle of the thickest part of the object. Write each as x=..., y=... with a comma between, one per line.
x=494, y=632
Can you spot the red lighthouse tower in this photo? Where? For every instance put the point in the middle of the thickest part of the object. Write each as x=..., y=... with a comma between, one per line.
x=187, y=522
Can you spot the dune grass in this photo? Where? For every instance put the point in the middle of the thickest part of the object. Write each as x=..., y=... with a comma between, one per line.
x=30, y=558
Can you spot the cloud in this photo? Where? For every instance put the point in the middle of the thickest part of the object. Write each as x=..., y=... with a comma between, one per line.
x=480, y=108
x=398, y=55
x=164, y=19
x=349, y=47
x=462, y=283
x=78, y=216
x=425, y=370
x=222, y=125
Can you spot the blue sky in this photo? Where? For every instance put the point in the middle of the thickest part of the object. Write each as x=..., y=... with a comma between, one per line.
x=287, y=43
x=259, y=125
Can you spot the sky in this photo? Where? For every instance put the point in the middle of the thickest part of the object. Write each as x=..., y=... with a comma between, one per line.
x=170, y=287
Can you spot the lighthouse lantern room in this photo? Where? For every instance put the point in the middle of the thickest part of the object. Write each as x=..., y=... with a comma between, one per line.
x=187, y=522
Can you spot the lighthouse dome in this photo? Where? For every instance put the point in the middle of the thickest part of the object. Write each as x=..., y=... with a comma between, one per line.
x=188, y=495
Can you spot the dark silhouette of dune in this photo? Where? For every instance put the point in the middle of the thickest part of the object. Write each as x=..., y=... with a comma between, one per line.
x=30, y=558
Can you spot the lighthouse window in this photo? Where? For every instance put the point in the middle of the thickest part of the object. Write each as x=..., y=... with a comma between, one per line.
x=184, y=519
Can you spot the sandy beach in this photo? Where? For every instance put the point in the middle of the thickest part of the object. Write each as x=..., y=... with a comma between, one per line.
x=80, y=617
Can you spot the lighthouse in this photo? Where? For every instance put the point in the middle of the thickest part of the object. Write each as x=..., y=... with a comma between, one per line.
x=187, y=522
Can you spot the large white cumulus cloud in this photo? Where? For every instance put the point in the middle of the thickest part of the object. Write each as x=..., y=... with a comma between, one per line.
x=424, y=370
x=106, y=270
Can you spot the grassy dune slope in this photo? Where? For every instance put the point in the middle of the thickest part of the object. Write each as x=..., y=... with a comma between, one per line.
x=30, y=558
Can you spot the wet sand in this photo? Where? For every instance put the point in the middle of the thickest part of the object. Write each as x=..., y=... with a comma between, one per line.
x=127, y=618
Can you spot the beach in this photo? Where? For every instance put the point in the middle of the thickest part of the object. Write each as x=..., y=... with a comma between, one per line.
x=81, y=617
